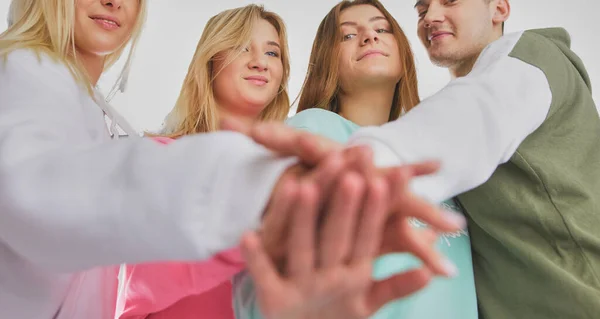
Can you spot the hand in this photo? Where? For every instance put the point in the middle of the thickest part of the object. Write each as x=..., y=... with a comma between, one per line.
x=335, y=280
x=285, y=140
x=399, y=235
x=273, y=232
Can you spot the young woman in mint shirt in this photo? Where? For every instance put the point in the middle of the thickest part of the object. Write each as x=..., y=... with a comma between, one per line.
x=362, y=73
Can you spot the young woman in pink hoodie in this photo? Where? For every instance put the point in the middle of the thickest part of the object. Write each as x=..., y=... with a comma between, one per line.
x=240, y=70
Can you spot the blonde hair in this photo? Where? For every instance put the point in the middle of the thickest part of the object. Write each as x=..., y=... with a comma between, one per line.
x=322, y=85
x=15, y=10
x=196, y=108
x=47, y=26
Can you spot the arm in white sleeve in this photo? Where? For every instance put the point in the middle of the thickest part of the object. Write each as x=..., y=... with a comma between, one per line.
x=67, y=203
x=471, y=126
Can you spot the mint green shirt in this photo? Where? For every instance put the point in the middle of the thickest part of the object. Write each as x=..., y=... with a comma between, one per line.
x=443, y=298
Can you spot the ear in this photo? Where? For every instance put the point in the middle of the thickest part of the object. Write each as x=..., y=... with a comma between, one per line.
x=501, y=11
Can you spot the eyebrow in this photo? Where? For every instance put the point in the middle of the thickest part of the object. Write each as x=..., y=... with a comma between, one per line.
x=373, y=19
x=419, y=3
x=273, y=43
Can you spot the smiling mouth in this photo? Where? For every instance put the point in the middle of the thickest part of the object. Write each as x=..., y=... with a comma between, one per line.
x=437, y=36
x=372, y=53
x=106, y=23
x=258, y=81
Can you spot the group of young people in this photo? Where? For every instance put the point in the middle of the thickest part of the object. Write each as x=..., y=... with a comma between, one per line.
x=355, y=207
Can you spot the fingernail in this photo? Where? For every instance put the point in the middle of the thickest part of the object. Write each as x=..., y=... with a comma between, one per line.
x=450, y=269
x=456, y=219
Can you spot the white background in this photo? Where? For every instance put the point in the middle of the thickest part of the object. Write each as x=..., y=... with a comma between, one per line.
x=174, y=27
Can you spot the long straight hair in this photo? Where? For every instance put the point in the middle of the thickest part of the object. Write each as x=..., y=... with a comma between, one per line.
x=322, y=83
x=196, y=109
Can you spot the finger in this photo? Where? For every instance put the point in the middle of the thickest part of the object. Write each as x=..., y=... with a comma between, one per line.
x=301, y=250
x=327, y=172
x=415, y=169
x=231, y=124
x=258, y=264
x=433, y=216
x=278, y=137
x=396, y=287
x=277, y=218
x=424, y=168
x=360, y=158
x=314, y=148
x=408, y=205
x=372, y=221
x=419, y=243
x=340, y=221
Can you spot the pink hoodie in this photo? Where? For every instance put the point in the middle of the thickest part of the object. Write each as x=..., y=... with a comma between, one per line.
x=180, y=290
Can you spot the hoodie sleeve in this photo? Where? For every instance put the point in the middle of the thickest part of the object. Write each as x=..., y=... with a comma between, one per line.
x=68, y=203
x=472, y=125
x=155, y=287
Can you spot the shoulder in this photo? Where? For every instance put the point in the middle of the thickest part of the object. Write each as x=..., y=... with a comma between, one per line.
x=30, y=79
x=323, y=122
x=527, y=45
x=36, y=66
x=314, y=118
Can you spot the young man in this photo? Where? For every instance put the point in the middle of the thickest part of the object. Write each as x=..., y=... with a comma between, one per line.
x=517, y=133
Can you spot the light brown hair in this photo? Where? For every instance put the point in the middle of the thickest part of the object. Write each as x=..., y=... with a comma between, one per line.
x=322, y=86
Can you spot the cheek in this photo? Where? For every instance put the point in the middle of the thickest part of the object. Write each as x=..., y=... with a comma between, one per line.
x=277, y=73
x=228, y=79
x=132, y=16
x=345, y=58
x=422, y=34
x=222, y=84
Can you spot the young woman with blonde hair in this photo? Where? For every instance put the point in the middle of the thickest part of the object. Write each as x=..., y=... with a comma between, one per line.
x=226, y=52
x=240, y=69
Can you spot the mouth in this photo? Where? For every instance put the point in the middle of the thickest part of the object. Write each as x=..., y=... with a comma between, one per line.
x=438, y=35
x=370, y=53
x=107, y=22
x=257, y=80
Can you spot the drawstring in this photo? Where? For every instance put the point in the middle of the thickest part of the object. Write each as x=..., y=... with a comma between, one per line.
x=116, y=119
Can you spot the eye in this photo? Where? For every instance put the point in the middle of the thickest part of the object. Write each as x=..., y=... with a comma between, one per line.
x=348, y=37
x=273, y=54
x=422, y=14
x=383, y=31
x=245, y=49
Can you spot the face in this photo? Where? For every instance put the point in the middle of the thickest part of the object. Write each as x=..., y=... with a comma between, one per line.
x=369, y=51
x=103, y=26
x=252, y=80
x=454, y=31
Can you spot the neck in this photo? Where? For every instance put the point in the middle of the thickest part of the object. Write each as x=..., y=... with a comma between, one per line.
x=93, y=64
x=224, y=113
x=369, y=106
x=464, y=66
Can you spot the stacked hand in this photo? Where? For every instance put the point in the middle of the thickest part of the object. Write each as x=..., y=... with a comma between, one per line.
x=328, y=218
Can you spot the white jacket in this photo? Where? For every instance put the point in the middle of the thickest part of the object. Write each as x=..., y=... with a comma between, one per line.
x=72, y=199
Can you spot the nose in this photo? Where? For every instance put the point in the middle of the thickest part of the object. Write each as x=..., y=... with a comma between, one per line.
x=258, y=62
x=435, y=14
x=370, y=36
x=115, y=4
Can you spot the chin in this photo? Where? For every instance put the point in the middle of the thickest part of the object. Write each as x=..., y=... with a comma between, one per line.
x=105, y=46
x=443, y=61
x=379, y=75
x=253, y=107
